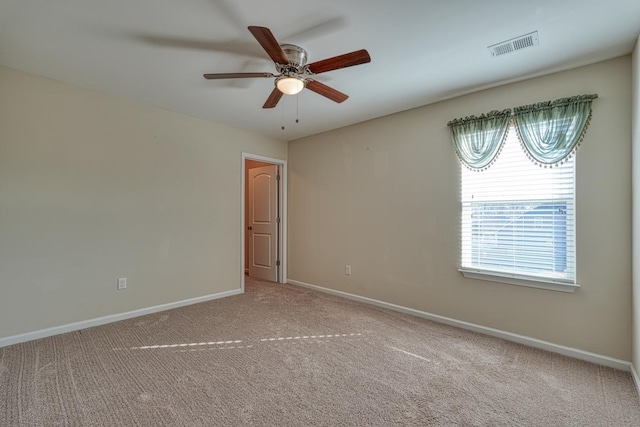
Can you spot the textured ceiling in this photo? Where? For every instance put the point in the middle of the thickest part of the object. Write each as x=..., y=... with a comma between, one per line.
x=155, y=51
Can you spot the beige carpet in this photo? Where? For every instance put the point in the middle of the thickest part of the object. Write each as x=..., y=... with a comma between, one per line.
x=286, y=356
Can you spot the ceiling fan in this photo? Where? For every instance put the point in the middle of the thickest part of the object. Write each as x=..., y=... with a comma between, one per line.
x=294, y=74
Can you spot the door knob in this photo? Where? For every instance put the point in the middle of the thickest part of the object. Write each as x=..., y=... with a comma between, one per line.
x=250, y=227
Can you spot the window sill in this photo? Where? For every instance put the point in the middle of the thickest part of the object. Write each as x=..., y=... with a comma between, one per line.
x=530, y=282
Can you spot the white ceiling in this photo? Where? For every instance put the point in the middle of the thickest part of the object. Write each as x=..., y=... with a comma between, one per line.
x=422, y=51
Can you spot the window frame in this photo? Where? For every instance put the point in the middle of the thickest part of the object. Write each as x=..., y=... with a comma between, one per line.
x=547, y=283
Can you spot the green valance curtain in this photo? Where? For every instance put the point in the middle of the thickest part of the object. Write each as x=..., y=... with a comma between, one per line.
x=478, y=140
x=550, y=132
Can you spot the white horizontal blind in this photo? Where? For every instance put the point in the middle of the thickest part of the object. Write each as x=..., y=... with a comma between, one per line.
x=519, y=218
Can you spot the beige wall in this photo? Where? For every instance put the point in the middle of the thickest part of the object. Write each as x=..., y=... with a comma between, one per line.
x=94, y=187
x=636, y=203
x=383, y=196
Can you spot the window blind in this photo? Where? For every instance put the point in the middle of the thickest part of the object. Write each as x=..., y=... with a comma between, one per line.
x=518, y=218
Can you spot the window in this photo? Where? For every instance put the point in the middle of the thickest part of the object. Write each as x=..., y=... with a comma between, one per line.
x=518, y=220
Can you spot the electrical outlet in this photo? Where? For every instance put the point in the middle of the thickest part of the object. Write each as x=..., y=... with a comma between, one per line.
x=347, y=270
x=122, y=283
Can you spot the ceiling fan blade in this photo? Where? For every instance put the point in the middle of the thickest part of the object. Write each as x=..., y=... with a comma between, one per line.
x=269, y=44
x=236, y=75
x=326, y=91
x=273, y=99
x=341, y=61
x=234, y=47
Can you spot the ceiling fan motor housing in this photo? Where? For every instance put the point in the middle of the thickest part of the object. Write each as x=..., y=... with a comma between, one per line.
x=297, y=59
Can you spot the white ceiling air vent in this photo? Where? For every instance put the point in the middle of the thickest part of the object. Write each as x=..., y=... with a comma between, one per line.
x=512, y=45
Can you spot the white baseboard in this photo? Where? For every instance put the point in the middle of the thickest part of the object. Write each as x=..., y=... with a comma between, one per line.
x=636, y=379
x=70, y=327
x=520, y=339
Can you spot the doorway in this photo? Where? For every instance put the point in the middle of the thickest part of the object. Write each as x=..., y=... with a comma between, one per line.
x=264, y=222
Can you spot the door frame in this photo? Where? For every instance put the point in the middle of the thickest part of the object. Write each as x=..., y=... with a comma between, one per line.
x=282, y=250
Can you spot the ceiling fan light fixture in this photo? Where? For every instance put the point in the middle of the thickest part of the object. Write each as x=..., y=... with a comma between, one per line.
x=290, y=85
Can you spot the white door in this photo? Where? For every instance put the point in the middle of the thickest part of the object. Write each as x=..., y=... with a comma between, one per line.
x=263, y=222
